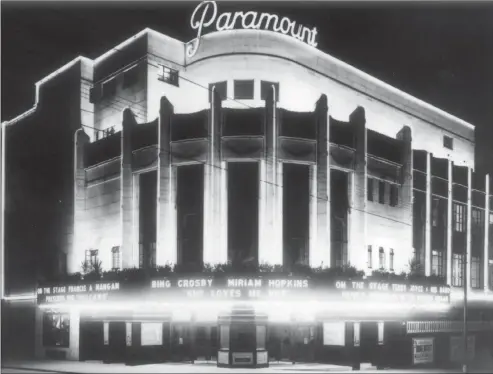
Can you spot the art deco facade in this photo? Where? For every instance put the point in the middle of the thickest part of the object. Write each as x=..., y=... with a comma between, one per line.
x=258, y=149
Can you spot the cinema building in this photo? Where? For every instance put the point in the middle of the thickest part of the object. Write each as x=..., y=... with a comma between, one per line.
x=256, y=200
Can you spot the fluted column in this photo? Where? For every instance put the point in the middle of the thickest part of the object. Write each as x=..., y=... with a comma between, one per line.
x=270, y=212
x=214, y=243
x=469, y=220
x=75, y=256
x=449, y=221
x=130, y=256
x=357, y=238
x=320, y=252
x=486, y=256
x=428, y=216
x=166, y=246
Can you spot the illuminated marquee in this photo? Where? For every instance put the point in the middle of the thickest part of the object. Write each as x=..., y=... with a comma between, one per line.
x=206, y=15
x=254, y=287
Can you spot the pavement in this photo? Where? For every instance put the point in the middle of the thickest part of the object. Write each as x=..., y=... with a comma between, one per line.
x=72, y=367
x=77, y=367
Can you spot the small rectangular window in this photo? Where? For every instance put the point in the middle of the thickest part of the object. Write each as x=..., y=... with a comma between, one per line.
x=381, y=192
x=264, y=89
x=491, y=218
x=381, y=254
x=394, y=195
x=243, y=89
x=448, y=142
x=369, y=190
x=369, y=261
x=169, y=75
x=221, y=88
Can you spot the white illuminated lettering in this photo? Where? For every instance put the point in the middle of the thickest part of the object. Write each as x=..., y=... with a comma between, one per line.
x=340, y=285
x=205, y=15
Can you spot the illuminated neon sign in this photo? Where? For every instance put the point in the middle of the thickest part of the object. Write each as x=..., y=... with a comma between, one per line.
x=205, y=15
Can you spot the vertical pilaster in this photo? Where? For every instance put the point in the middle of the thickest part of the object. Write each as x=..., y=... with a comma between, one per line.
x=39, y=352
x=213, y=194
x=406, y=188
x=313, y=253
x=129, y=255
x=74, y=337
x=468, y=234
x=75, y=255
x=357, y=238
x=449, y=222
x=486, y=232
x=166, y=247
x=320, y=252
x=2, y=209
x=271, y=243
x=428, y=216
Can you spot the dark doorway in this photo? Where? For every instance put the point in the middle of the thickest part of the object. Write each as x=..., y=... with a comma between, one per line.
x=91, y=340
x=117, y=343
x=190, y=213
x=147, y=219
x=243, y=196
x=181, y=342
x=296, y=213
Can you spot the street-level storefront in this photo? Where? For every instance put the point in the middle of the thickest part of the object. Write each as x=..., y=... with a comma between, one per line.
x=248, y=321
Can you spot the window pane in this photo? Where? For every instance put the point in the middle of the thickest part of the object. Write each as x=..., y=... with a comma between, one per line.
x=261, y=337
x=243, y=89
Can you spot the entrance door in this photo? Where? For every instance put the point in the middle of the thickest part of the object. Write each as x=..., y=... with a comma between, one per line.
x=117, y=344
x=205, y=346
x=279, y=342
x=181, y=342
x=91, y=340
x=303, y=338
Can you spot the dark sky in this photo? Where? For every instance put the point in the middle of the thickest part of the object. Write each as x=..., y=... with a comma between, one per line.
x=439, y=52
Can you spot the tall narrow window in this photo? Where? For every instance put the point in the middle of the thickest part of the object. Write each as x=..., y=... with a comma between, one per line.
x=381, y=192
x=434, y=212
x=437, y=263
x=459, y=217
x=381, y=255
x=369, y=261
x=115, y=258
x=391, y=260
x=457, y=270
x=147, y=218
x=369, y=189
x=394, y=195
x=475, y=272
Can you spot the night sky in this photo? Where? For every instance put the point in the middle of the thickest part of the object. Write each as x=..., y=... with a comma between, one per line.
x=441, y=53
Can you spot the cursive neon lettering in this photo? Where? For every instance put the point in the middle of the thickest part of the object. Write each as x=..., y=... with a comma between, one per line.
x=206, y=14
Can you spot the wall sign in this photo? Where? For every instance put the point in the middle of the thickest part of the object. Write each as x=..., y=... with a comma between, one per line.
x=205, y=15
x=82, y=292
x=423, y=350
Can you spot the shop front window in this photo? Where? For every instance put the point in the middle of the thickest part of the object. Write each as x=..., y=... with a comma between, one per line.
x=56, y=330
x=261, y=337
x=224, y=337
x=243, y=337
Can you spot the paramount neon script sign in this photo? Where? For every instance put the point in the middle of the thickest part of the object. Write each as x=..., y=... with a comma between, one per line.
x=205, y=16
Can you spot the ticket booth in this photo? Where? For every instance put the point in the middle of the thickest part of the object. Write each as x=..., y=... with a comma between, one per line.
x=242, y=340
